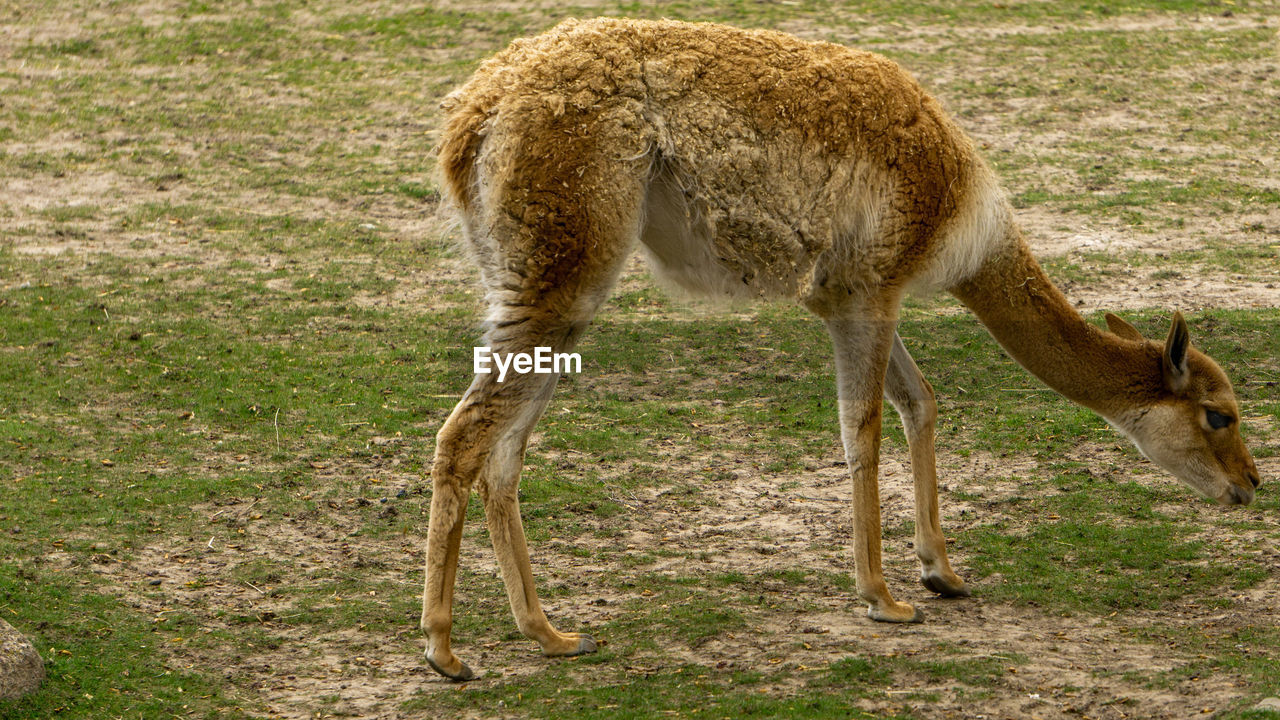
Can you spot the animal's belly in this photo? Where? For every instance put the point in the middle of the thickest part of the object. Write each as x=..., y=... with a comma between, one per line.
x=731, y=247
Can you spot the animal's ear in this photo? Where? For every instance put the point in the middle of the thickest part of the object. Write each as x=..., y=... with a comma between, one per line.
x=1122, y=328
x=1176, y=374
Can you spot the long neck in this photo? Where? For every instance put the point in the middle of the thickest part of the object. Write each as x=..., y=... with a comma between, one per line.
x=1040, y=329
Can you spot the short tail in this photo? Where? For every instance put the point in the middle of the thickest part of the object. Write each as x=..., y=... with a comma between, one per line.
x=460, y=140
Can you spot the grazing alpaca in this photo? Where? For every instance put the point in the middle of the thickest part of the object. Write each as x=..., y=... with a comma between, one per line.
x=753, y=164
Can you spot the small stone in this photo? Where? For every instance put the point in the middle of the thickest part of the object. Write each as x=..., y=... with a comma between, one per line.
x=21, y=668
x=1271, y=703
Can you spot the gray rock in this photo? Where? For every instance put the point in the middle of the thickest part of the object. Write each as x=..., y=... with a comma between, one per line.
x=21, y=668
x=1271, y=703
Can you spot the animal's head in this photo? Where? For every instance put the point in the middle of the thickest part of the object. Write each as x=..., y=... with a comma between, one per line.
x=1192, y=428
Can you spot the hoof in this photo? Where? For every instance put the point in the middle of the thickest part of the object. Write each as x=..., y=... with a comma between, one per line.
x=898, y=613
x=946, y=588
x=586, y=644
x=463, y=674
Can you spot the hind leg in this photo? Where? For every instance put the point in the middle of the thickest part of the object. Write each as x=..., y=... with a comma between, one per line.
x=499, y=488
x=459, y=452
x=485, y=439
x=461, y=449
x=548, y=259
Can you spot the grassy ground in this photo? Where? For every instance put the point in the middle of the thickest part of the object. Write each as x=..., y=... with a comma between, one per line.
x=230, y=324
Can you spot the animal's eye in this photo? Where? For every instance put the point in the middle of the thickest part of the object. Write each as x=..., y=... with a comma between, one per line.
x=1217, y=420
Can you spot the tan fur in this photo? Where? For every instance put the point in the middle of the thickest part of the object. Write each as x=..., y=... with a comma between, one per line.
x=754, y=164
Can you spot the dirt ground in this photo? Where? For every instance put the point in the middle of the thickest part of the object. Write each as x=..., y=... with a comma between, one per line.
x=368, y=675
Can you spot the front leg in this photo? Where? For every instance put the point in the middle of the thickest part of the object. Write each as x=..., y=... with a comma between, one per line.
x=913, y=397
x=862, y=342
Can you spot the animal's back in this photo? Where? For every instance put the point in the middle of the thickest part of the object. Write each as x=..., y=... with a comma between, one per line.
x=786, y=165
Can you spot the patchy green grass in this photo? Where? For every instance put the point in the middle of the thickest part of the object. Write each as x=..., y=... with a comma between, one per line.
x=231, y=325
x=1100, y=548
x=102, y=657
